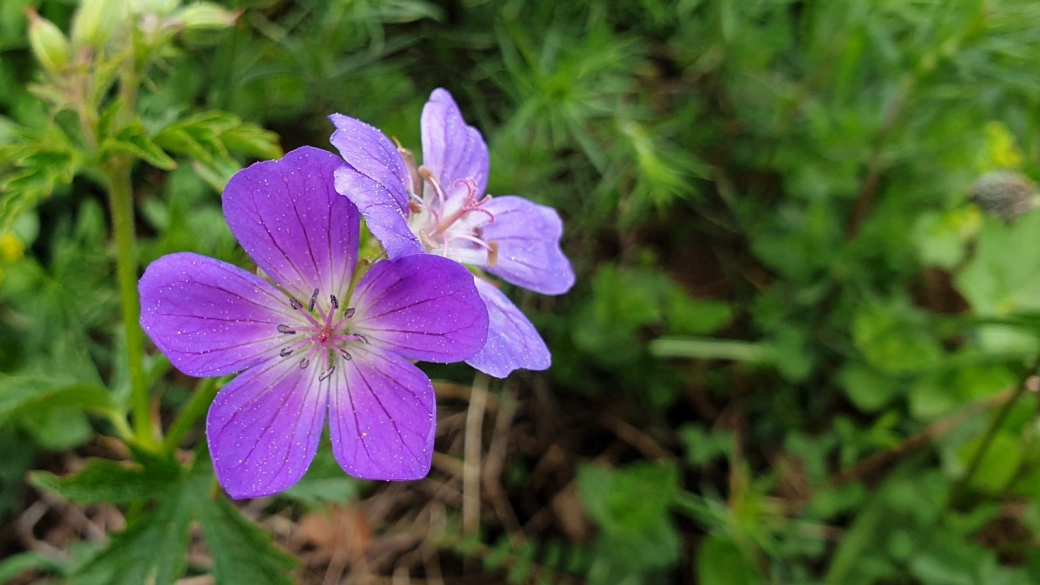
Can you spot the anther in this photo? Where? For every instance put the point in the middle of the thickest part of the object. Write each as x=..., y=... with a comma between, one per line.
x=285, y=352
x=335, y=303
x=286, y=329
x=295, y=304
x=314, y=299
x=349, y=312
x=304, y=363
x=362, y=338
x=492, y=253
x=346, y=355
x=325, y=375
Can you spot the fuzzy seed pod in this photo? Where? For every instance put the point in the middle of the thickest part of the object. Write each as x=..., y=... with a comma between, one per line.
x=1004, y=194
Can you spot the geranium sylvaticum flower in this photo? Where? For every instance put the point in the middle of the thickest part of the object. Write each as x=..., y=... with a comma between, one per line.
x=319, y=337
x=441, y=208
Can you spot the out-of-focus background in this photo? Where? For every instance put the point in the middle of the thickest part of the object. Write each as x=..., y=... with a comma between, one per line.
x=800, y=349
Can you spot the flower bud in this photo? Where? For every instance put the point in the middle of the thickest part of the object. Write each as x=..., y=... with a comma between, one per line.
x=97, y=21
x=49, y=45
x=204, y=16
x=1004, y=194
x=160, y=7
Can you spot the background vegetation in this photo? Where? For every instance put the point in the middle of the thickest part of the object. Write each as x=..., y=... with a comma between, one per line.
x=800, y=349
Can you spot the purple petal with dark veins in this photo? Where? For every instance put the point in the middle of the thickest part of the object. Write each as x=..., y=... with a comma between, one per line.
x=376, y=179
x=452, y=149
x=369, y=152
x=513, y=342
x=382, y=417
x=382, y=216
x=264, y=426
x=422, y=307
x=290, y=220
x=211, y=318
x=528, y=237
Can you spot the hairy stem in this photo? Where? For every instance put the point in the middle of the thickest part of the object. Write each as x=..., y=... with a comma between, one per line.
x=120, y=198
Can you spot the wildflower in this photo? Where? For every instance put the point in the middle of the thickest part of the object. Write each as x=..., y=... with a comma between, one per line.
x=441, y=208
x=322, y=337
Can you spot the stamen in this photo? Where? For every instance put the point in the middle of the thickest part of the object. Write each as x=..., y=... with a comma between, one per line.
x=285, y=352
x=304, y=363
x=346, y=355
x=349, y=313
x=325, y=375
x=295, y=304
x=492, y=253
x=409, y=161
x=427, y=175
x=314, y=299
x=286, y=329
x=335, y=303
x=362, y=338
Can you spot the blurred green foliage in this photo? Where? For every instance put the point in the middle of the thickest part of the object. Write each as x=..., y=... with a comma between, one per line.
x=787, y=281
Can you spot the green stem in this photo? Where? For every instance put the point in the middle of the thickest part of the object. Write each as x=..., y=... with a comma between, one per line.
x=120, y=197
x=994, y=427
x=197, y=404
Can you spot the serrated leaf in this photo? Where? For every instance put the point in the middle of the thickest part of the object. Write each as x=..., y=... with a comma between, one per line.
x=152, y=550
x=242, y=551
x=109, y=481
x=252, y=140
x=133, y=140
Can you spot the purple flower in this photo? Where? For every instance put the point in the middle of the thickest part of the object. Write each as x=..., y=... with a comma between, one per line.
x=322, y=338
x=441, y=208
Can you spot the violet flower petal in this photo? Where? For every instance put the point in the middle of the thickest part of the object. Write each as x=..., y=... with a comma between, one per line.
x=513, y=342
x=528, y=237
x=452, y=150
x=264, y=426
x=375, y=179
x=422, y=307
x=386, y=222
x=287, y=216
x=369, y=152
x=382, y=417
x=208, y=317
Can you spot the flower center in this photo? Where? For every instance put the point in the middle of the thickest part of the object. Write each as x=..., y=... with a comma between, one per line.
x=322, y=336
x=449, y=226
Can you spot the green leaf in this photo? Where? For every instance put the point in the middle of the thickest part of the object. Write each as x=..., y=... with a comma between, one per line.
x=998, y=282
x=892, y=338
x=1000, y=463
x=109, y=481
x=242, y=551
x=721, y=562
x=252, y=140
x=324, y=482
x=133, y=140
x=151, y=550
x=28, y=393
x=15, y=565
x=867, y=388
